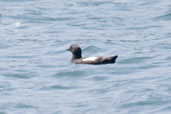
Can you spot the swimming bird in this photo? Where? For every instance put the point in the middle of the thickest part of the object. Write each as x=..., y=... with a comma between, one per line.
x=78, y=59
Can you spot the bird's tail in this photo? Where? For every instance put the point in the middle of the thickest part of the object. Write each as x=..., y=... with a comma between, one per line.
x=114, y=58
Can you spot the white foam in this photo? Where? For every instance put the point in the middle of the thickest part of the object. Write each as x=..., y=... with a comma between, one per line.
x=89, y=59
x=17, y=24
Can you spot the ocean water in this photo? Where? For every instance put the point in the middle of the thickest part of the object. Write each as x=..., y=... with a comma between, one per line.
x=36, y=73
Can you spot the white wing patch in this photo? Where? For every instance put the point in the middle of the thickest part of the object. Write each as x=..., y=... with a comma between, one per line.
x=89, y=59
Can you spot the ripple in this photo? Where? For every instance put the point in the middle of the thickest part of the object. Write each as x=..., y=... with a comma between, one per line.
x=92, y=49
x=71, y=74
x=144, y=103
x=19, y=75
x=58, y=87
x=99, y=78
x=3, y=113
x=164, y=17
x=168, y=58
x=16, y=0
x=166, y=109
x=95, y=3
x=21, y=105
x=0, y=18
x=136, y=60
x=148, y=66
x=19, y=56
x=125, y=70
x=4, y=46
x=145, y=27
x=164, y=45
x=3, y=69
x=40, y=19
x=6, y=88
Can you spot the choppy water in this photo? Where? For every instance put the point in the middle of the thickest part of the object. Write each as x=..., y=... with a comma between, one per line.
x=37, y=77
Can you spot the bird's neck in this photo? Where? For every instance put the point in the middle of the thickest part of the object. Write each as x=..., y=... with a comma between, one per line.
x=76, y=57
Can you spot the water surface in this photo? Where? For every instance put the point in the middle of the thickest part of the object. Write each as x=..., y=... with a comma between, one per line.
x=37, y=77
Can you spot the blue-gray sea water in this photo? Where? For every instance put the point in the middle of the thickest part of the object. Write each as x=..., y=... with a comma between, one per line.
x=36, y=73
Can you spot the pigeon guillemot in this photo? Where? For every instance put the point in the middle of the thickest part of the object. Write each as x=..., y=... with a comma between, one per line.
x=77, y=57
